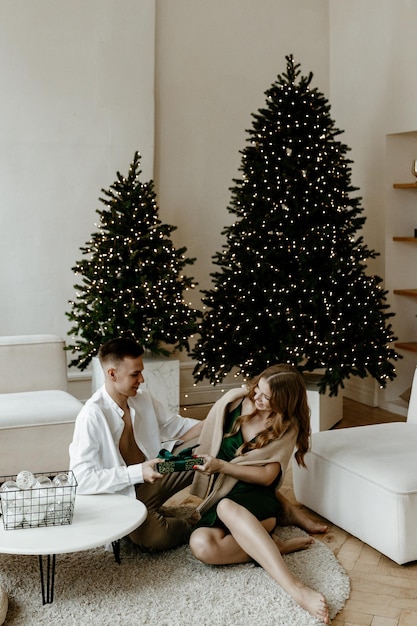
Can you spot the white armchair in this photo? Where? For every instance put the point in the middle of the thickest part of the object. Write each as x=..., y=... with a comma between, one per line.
x=364, y=480
x=37, y=413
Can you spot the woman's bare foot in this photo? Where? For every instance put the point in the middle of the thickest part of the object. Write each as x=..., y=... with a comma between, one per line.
x=312, y=601
x=292, y=545
x=296, y=515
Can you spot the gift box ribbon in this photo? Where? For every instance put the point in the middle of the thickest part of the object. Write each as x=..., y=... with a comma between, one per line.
x=166, y=455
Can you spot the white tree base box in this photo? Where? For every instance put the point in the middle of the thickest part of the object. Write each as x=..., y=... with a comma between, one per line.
x=326, y=410
x=162, y=379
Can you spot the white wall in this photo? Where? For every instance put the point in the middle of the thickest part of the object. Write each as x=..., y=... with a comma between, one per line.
x=76, y=81
x=214, y=61
x=373, y=93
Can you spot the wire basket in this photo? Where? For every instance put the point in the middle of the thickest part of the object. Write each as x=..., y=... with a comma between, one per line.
x=31, y=500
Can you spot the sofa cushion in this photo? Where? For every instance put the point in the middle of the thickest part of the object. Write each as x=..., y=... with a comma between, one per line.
x=37, y=408
x=32, y=362
x=364, y=480
x=383, y=454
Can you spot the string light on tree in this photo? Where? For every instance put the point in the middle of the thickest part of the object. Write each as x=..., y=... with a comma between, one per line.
x=292, y=283
x=132, y=277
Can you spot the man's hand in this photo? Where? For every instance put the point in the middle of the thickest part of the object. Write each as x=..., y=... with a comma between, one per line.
x=150, y=475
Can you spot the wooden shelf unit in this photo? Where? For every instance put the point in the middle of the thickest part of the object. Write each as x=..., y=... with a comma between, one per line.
x=409, y=346
x=406, y=292
x=405, y=185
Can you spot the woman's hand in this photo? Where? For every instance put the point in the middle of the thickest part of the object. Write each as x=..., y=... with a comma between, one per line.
x=211, y=465
x=255, y=474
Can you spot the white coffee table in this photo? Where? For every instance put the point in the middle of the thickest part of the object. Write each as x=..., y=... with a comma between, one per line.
x=98, y=520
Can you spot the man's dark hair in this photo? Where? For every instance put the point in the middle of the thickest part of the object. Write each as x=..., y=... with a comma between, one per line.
x=119, y=348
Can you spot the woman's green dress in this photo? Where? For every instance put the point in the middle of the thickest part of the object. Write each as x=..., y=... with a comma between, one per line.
x=260, y=500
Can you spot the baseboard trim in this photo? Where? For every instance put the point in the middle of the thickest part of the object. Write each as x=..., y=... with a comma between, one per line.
x=392, y=407
x=364, y=391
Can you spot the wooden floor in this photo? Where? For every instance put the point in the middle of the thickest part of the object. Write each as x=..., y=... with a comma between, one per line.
x=382, y=592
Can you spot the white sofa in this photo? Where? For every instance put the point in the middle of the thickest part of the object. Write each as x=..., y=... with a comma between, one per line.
x=37, y=413
x=364, y=480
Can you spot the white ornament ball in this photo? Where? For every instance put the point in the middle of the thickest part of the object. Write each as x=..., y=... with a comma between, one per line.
x=25, y=479
x=42, y=490
x=34, y=514
x=9, y=485
x=10, y=492
x=63, y=499
x=50, y=512
x=62, y=480
x=42, y=481
x=14, y=516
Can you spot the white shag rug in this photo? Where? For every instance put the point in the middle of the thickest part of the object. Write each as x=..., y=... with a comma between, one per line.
x=167, y=589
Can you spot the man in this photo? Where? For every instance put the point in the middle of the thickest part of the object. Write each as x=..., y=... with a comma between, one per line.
x=117, y=436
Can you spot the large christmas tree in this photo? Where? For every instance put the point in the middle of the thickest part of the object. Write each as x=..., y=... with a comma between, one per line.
x=292, y=285
x=132, y=276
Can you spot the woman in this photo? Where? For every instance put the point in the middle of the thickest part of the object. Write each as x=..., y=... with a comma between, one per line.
x=247, y=441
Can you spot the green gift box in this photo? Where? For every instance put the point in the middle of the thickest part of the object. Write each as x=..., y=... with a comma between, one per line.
x=181, y=462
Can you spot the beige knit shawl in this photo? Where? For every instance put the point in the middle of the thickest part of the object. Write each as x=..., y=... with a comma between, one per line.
x=279, y=450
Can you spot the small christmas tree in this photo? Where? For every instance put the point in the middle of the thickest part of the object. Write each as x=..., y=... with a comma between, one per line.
x=132, y=280
x=292, y=285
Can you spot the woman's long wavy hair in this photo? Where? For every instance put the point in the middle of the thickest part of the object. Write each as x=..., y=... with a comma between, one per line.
x=289, y=407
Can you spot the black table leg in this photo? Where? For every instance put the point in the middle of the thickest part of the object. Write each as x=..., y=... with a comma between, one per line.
x=48, y=585
x=116, y=550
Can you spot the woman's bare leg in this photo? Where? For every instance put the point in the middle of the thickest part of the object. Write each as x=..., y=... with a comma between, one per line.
x=255, y=541
x=295, y=515
x=295, y=544
x=216, y=547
